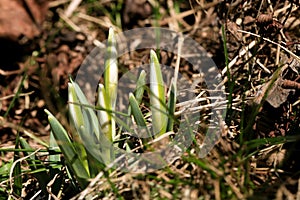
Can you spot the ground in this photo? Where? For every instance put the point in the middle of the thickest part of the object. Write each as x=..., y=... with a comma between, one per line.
x=255, y=45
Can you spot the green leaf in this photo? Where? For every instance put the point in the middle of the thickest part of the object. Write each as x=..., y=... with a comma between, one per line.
x=75, y=111
x=157, y=96
x=4, y=170
x=111, y=70
x=68, y=150
x=98, y=153
x=79, y=118
x=138, y=115
x=140, y=86
x=91, y=126
x=91, y=122
x=103, y=115
x=53, y=146
x=111, y=78
x=171, y=105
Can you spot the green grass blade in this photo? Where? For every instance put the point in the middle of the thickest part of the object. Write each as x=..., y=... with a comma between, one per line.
x=16, y=96
x=32, y=161
x=17, y=171
x=36, y=164
x=157, y=96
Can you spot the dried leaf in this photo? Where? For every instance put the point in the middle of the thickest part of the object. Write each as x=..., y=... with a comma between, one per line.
x=21, y=18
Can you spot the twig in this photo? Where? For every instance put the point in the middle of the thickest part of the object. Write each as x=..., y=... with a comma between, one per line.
x=57, y=3
x=12, y=95
x=234, y=188
x=241, y=53
x=217, y=189
x=276, y=13
x=72, y=7
x=270, y=6
x=104, y=23
x=298, y=192
x=180, y=42
x=289, y=84
x=8, y=73
x=69, y=22
x=173, y=24
x=189, y=12
x=263, y=67
x=88, y=189
x=49, y=187
x=13, y=166
x=268, y=40
x=4, y=123
x=35, y=195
